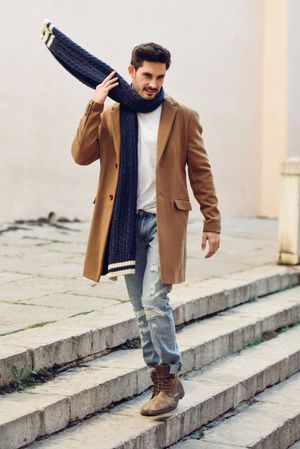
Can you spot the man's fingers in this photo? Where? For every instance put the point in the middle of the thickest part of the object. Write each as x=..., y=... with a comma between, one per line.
x=109, y=76
x=103, y=89
x=113, y=81
x=108, y=82
x=112, y=86
x=210, y=250
x=203, y=244
x=210, y=253
x=213, y=247
x=213, y=243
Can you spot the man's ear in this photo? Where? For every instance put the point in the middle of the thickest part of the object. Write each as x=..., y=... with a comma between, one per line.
x=131, y=70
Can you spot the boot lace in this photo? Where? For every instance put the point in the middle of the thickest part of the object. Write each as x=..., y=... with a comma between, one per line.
x=155, y=387
x=165, y=384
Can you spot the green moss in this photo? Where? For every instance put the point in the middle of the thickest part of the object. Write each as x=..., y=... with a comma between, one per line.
x=42, y=323
x=256, y=341
x=268, y=335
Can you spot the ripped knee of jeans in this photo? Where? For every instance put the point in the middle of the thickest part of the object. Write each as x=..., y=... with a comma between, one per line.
x=140, y=313
x=153, y=312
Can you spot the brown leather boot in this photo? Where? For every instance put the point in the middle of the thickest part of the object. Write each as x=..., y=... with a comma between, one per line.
x=170, y=391
x=155, y=390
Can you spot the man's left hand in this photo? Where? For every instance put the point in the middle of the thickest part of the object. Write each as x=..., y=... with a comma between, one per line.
x=213, y=240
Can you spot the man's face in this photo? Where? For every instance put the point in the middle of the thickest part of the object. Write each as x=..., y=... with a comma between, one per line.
x=148, y=79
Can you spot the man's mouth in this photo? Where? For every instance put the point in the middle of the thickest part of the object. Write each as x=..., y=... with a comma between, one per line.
x=151, y=91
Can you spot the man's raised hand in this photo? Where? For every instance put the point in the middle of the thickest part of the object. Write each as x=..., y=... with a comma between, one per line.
x=103, y=89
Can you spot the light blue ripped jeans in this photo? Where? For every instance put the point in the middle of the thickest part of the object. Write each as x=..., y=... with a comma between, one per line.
x=150, y=300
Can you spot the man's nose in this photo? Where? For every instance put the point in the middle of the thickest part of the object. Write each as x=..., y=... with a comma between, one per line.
x=153, y=84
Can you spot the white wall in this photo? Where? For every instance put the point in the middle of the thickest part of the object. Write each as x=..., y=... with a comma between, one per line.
x=274, y=104
x=293, y=78
x=216, y=69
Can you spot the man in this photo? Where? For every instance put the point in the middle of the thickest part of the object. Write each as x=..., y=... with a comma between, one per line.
x=169, y=138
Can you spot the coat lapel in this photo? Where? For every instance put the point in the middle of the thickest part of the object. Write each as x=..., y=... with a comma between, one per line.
x=167, y=117
x=115, y=124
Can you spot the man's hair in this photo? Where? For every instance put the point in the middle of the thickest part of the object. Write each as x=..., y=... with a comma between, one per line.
x=150, y=52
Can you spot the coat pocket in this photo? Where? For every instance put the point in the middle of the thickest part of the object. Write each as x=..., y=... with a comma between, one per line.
x=183, y=204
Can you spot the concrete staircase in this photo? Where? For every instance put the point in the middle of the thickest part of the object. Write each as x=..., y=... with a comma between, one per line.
x=271, y=421
x=95, y=402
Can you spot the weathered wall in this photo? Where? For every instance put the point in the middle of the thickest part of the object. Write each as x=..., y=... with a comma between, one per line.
x=293, y=78
x=217, y=69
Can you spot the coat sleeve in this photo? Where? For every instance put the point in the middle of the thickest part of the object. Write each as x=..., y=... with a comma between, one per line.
x=201, y=178
x=86, y=145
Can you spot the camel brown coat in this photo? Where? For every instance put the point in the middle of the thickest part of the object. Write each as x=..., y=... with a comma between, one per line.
x=179, y=144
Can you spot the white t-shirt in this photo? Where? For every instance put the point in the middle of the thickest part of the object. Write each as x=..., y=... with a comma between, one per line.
x=148, y=124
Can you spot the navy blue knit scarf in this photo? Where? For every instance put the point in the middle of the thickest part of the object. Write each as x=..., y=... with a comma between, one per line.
x=120, y=251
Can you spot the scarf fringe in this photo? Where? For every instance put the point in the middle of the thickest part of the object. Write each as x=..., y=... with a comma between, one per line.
x=112, y=274
x=121, y=264
x=46, y=33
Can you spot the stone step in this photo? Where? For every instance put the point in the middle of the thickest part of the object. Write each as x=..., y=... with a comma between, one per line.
x=210, y=393
x=87, y=336
x=100, y=383
x=272, y=422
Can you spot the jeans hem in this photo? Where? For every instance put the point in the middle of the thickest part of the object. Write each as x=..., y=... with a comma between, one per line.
x=175, y=368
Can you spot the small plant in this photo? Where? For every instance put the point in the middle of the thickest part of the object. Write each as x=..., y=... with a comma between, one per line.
x=256, y=341
x=268, y=335
x=283, y=329
x=23, y=380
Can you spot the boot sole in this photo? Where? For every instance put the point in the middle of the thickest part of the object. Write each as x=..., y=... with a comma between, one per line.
x=165, y=410
x=159, y=412
x=181, y=393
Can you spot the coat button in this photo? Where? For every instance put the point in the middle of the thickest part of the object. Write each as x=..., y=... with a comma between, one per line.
x=116, y=165
x=111, y=196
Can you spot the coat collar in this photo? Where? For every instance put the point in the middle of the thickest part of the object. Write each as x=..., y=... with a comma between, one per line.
x=168, y=112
